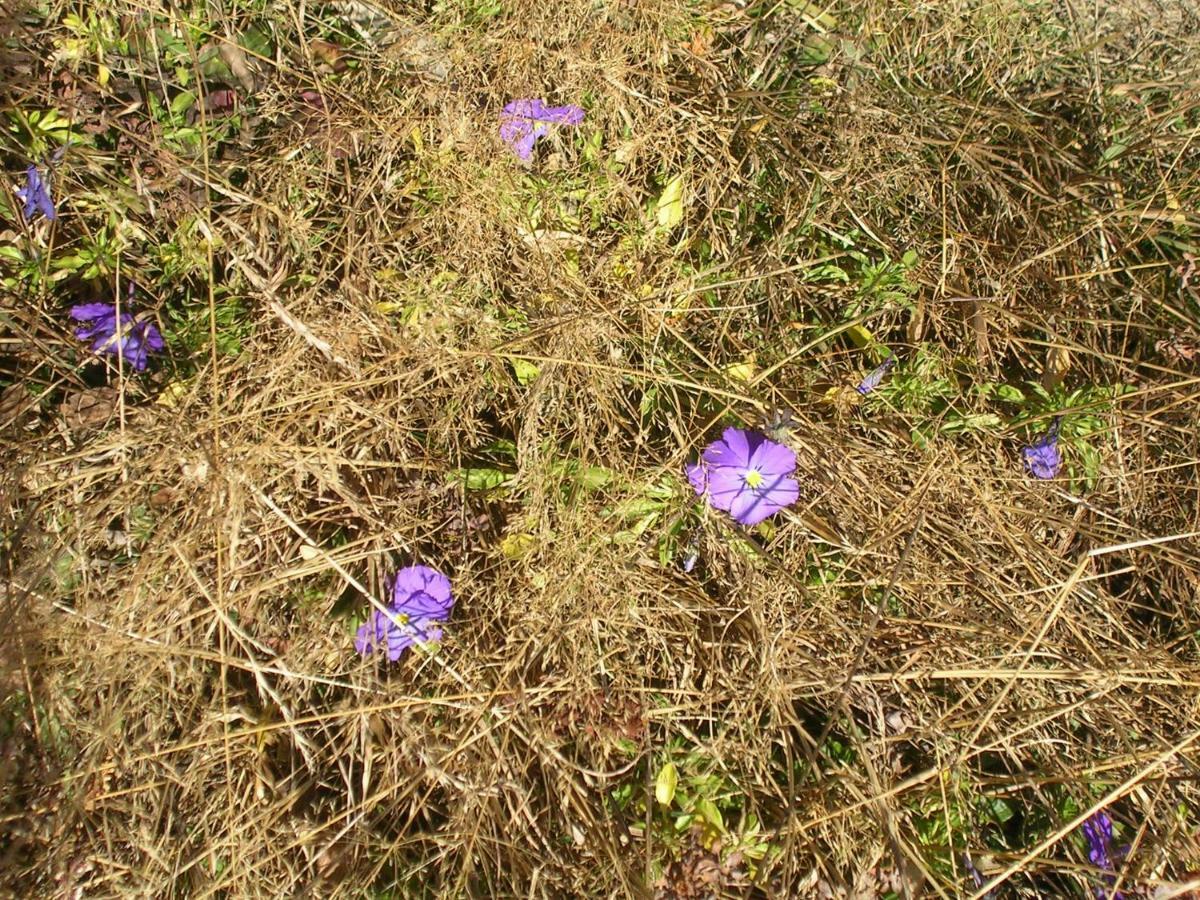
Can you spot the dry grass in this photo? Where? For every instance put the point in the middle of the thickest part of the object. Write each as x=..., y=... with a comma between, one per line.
x=928, y=636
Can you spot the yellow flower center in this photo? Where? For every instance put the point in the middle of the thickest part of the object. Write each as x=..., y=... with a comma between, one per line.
x=753, y=478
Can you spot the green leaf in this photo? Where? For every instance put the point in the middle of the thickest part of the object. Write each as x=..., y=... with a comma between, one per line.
x=1010, y=392
x=665, y=784
x=525, y=371
x=479, y=479
x=182, y=102
x=708, y=810
x=635, y=508
x=257, y=41
x=1113, y=151
x=594, y=477
x=1000, y=810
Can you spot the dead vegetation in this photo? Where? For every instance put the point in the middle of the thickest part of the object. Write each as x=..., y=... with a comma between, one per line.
x=932, y=658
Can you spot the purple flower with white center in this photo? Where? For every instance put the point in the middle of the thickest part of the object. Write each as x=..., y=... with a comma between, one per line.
x=872, y=381
x=421, y=599
x=133, y=339
x=1098, y=830
x=36, y=194
x=522, y=122
x=746, y=475
x=1043, y=458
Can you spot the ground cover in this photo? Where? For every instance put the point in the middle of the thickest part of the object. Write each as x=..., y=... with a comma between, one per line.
x=316, y=314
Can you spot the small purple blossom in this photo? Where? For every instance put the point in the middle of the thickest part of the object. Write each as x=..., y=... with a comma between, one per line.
x=522, y=122
x=1098, y=830
x=36, y=194
x=421, y=598
x=134, y=339
x=1043, y=458
x=746, y=475
x=872, y=381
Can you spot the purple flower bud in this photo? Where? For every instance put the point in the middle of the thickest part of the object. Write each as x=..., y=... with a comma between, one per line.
x=872, y=381
x=36, y=194
x=1098, y=831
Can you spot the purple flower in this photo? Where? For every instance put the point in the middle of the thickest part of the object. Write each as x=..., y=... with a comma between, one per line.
x=1098, y=830
x=1042, y=457
x=420, y=599
x=134, y=339
x=522, y=122
x=36, y=194
x=871, y=382
x=746, y=475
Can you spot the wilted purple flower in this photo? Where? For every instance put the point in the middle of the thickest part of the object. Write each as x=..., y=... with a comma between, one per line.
x=977, y=876
x=420, y=599
x=522, y=122
x=1042, y=457
x=36, y=194
x=871, y=382
x=134, y=339
x=691, y=554
x=746, y=475
x=1098, y=830
x=779, y=424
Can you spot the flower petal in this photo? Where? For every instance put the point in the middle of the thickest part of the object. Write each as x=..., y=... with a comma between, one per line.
x=84, y=312
x=725, y=484
x=773, y=460
x=751, y=507
x=740, y=444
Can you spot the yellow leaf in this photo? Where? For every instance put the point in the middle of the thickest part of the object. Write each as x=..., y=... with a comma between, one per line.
x=669, y=209
x=514, y=546
x=665, y=784
x=418, y=142
x=103, y=73
x=172, y=394
x=743, y=372
x=860, y=335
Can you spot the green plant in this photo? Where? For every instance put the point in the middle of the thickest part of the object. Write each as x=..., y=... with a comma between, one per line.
x=695, y=801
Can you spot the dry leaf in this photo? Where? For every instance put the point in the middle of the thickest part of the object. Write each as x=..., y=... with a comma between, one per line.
x=15, y=402
x=1058, y=362
x=1177, y=349
x=90, y=408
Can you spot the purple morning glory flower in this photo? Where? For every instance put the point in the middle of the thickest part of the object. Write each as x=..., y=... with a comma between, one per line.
x=134, y=339
x=1098, y=830
x=36, y=194
x=1043, y=458
x=420, y=599
x=522, y=122
x=871, y=382
x=746, y=475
